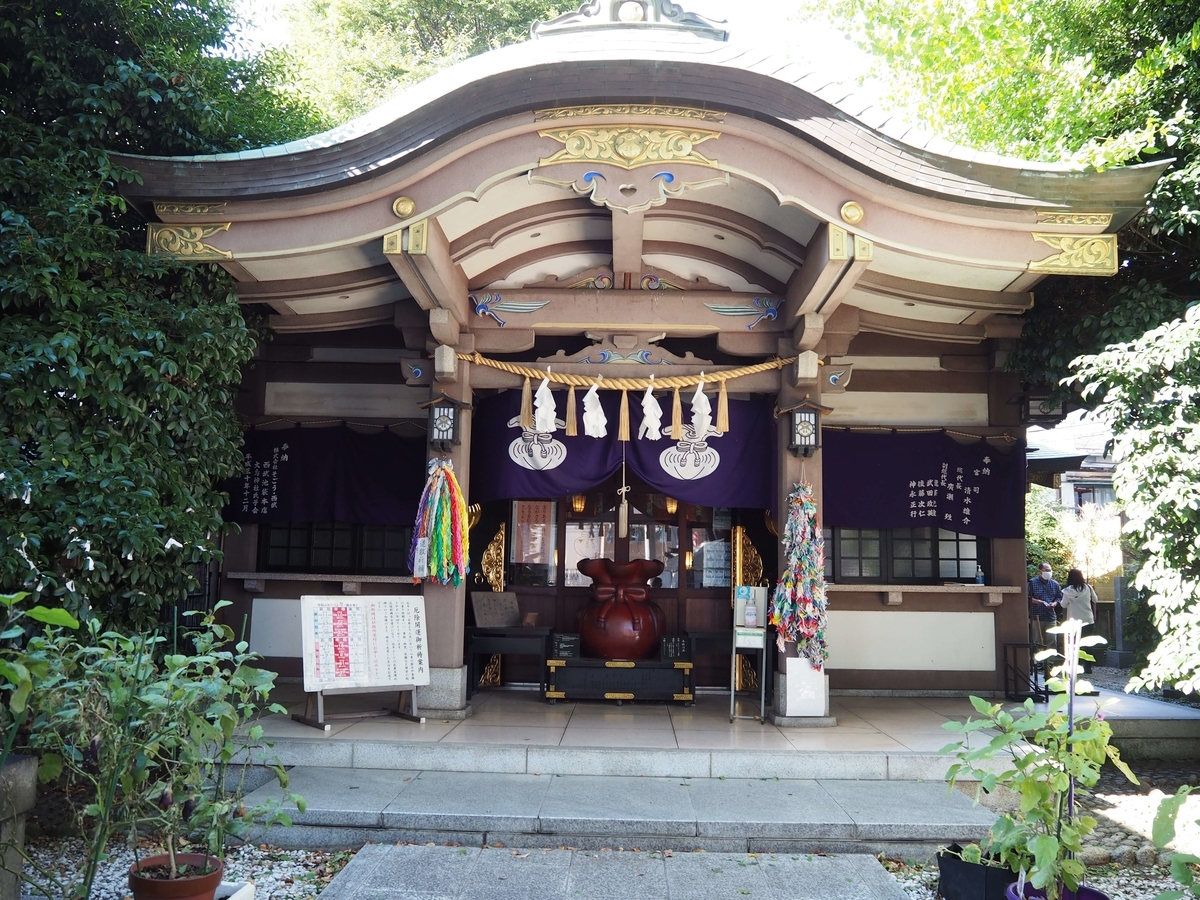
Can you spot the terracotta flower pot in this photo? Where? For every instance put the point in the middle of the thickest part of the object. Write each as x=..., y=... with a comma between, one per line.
x=1032, y=893
x=193, y=887
x=620, y=621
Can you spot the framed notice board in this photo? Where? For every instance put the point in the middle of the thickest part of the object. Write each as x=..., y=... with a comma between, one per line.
x=363, y=643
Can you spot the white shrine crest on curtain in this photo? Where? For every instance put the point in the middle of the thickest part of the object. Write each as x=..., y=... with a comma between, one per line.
x=690, y=459
x=538, y=452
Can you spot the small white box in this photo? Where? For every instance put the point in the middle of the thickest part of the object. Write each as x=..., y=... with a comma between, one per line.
x=805, y=690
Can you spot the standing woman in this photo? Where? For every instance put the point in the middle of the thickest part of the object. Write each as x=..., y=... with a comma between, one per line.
x=1079, y=602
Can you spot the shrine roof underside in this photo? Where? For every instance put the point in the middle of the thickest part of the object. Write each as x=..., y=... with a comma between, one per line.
x=639, y=177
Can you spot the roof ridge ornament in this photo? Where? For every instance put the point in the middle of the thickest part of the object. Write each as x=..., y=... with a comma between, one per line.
x=602, y=15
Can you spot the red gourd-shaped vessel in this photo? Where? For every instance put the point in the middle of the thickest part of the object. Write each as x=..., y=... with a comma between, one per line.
x=620, y=621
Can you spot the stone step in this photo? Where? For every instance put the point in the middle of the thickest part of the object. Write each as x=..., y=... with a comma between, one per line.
x=400, y=873
x=350, y=807
x=427, y=756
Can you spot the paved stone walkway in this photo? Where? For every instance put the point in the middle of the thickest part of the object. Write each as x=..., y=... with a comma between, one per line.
x=385, y=872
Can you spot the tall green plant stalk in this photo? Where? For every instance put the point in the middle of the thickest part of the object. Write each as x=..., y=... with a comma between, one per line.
x=109, y=796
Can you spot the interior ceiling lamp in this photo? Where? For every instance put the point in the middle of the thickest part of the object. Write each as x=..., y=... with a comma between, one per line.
x=578, y=502
x=444, y=420
x=804, y=432
x=672, y=505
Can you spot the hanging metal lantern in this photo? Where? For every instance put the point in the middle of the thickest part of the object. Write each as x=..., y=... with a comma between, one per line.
x=445, y=414
x=804, y=426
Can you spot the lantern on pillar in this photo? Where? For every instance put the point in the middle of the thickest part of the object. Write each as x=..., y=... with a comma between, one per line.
x=445, y=414
x=804, y=426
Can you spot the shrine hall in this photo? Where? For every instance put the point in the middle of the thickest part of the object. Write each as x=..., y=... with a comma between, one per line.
x=636, y=282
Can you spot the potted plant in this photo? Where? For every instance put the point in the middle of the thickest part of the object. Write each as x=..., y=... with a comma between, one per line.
x=966, y=873
x=155, y=735
x=1055, y=758
x=18, y=774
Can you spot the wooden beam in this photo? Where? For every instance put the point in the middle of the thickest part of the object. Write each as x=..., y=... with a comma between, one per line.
x=841, y=327
x=554, y=311
x=809, y=331
x=420, y=254
x=827, y=257
x=628, y=230
x=942, y=295
x=504, y=340
x=443, y=327
x=342, y=320
x=921, y=329
x=748, y=343
x=863, y=255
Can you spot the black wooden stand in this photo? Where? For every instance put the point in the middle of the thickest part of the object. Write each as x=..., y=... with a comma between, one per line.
x=620, y=680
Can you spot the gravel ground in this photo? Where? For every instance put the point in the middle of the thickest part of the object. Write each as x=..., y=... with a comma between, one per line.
x=919, y=882
x=1121, y=858
x=277, y=874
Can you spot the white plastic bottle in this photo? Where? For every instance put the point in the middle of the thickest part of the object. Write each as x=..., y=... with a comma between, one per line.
x=751, y=615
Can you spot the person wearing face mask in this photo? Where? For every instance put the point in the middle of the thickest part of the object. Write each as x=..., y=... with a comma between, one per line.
x=1045, y=597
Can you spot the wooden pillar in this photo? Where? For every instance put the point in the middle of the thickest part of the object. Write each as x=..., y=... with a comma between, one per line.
x=794, y=469
x=795, y=383
x=445, y=605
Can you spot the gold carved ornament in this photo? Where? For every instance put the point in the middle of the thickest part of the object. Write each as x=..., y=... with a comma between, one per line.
x=1088, y=219
x=403, y=207
x=492, y=562
x=189, y=209
x=491, y=676
x=746, y=675
x=746, y=567
x=629, y=146
x=1092, y=254
x=185, y=242
x=627, y=109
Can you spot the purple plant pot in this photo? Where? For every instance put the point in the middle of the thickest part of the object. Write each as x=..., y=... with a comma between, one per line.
x=1032, y=893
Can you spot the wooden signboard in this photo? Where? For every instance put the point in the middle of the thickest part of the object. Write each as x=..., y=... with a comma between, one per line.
x=495, y=609
x=362, y=645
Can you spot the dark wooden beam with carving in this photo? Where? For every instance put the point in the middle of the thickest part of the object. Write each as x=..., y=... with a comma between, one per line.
x=420, y=254
x=829, y=255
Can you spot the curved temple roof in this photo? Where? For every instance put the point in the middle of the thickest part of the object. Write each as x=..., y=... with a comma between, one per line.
x=636, y=64
x=625, y=153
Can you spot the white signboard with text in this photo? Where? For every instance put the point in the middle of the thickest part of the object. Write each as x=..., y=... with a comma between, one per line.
x=363, y=642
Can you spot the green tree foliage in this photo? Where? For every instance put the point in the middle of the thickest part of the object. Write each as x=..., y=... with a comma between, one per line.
x=354, y=54
x=1089, y=82
x=117, y=371
x=1150, y=392
x=1095, y=83
x=1045, y=538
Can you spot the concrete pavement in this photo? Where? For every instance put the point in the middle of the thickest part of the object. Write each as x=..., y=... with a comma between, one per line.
x=383, y=872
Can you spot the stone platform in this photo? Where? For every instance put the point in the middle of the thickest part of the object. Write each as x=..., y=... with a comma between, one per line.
x=351, y=807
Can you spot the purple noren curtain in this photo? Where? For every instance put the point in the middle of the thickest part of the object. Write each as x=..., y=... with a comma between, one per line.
x=328, y=475
x=733, y=469
x=897, y=480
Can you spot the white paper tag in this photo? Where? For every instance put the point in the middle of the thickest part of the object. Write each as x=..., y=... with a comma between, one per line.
x=421, y=559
